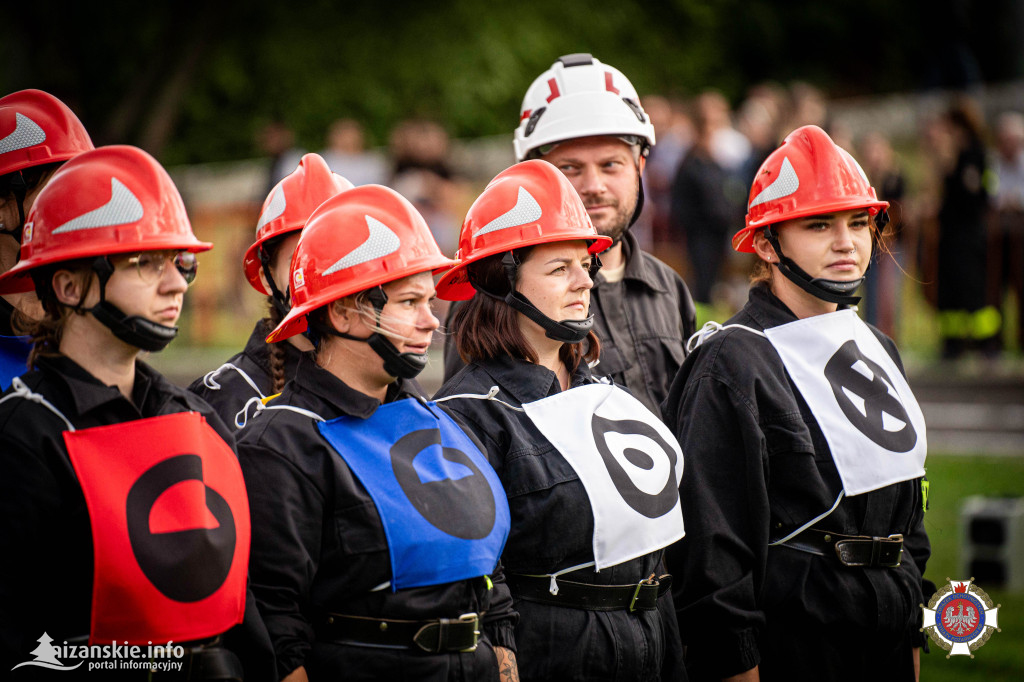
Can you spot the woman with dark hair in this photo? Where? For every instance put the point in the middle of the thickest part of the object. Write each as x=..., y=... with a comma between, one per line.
x=591, y=474
x=261, y=369
x=805, y=447
x=377, y=521
x=123, y=512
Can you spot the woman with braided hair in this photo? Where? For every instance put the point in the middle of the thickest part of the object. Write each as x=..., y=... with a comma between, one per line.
x=261, y=369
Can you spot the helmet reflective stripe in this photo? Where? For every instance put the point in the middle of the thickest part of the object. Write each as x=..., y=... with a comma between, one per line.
x=787, y=183
x=26, y=133
x=275, y=207
x=381, y=241
x=122, y=208
x=579, y=97
x=526, y=210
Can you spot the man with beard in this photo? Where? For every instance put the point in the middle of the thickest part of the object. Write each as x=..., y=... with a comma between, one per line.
x=585, y=118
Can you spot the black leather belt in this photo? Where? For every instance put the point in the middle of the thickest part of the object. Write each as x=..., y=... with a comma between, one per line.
x=851, y=550
x=642, y=596
x=433, y=636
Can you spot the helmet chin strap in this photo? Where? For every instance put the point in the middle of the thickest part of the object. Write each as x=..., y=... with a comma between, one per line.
x=132, y=329
x=563, y=331
x=831, y=290
x=20, y=190
x=396, y=364
x=280, y=300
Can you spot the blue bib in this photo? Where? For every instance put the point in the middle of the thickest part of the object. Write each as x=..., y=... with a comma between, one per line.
x=444, y=511
x=13, y=358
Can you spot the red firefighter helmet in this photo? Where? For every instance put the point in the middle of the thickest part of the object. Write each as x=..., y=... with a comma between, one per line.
x=36, y=128
x=358, y=239
x=529, y=203
x=807, y=175
x=107, y=201
x=289, y=205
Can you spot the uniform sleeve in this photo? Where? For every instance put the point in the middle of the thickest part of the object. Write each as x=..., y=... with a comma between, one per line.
x=916, y=545
x=287, y=511
x=501, y=618
x=29, y=504
x=720, y=562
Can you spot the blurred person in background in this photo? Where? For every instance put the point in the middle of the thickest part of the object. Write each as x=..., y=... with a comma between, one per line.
x=277, y=141
x=585, y=118
x=377, y=522
x=675, y=136
x=38, y=133
x=423, y=173
x=346, y=154
x=583, y=560
x=883, y=170
x=1006, y=242
x=708, y=193
x=803, y=496
x=967, y=320
x=92, y=438
x=261, y=369
x=807, y=106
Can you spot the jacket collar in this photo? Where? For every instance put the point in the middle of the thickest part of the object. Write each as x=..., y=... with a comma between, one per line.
x=637, y=269
x=331, y=390
x=527, y=382
x=87, y=393
x=768, y=310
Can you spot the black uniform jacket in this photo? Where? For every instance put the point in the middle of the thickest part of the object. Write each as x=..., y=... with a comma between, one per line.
x=46, y=566
x=319, y=546
x=643, y=322
x=254, y=360
x=757, y=468
x=553, y=529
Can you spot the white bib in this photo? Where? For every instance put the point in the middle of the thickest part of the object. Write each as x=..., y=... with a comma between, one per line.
x=628, y=461
x=865, y=407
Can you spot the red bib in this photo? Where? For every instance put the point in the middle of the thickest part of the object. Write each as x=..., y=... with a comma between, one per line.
x=170, y=528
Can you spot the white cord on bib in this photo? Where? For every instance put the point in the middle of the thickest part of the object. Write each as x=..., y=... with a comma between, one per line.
x=481, y=396
x=242, y=418
x=210, y=380
x=810, y=523
x=553, y=588
x=24, y=392
x=711, y=328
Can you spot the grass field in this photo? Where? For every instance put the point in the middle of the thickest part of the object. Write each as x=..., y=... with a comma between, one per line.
x=952, y=479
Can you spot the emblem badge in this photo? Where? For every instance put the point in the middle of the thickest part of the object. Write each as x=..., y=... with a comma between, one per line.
x=960, y=617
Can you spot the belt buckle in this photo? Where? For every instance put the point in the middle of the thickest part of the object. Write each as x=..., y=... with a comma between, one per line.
x=898, y=537
x=473, y=618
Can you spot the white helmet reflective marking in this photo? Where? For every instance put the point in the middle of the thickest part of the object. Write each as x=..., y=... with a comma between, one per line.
x=122, y=208
x=787, y=183
x=526, y=210
x=379, y=243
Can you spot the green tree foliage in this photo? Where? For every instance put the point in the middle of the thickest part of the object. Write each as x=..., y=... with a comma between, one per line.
x=194, y=81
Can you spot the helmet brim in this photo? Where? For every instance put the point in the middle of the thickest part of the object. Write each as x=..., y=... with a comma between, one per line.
x=454, y=284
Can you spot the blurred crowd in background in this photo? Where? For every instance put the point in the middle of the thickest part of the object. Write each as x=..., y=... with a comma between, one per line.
x=956, y=239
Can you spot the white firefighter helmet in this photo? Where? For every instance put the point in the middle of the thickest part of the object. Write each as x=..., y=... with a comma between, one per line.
x=580, y=97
